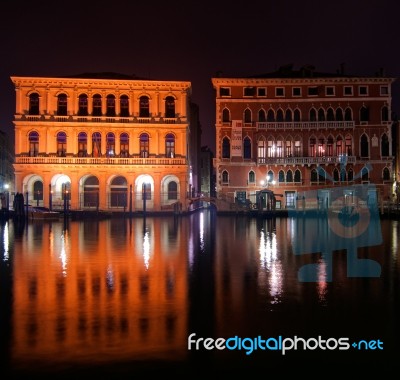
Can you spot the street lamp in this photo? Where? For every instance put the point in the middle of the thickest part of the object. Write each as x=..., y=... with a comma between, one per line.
x=268, y=181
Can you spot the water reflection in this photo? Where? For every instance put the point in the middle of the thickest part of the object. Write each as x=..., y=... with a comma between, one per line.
x=119, y=290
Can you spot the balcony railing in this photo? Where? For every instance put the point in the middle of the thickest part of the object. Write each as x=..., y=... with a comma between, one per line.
x=100, y=160
x=300, y=125
x=103, y=119
x=306, y=160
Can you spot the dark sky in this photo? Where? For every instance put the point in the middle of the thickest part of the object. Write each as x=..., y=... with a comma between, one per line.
x=192, y=40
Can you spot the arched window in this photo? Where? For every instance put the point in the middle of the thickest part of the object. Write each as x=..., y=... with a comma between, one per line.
x=124, y=106
x=336, y=175
x=82, y=144
x=33, y=144
x=313, y=115
x=279, y=146
x=364, y=174
x=281, y=176
x=312, y=147
x=225, y=177
x=386, y=174
x=364, y=146
x=91, y=192
x=330, y=115
x=62, y=108
x=110, y=147
x=252, y=177
x=38, y=191
x=83, y=105
x=364, y=113
x=110, y=106
x=226, y=148
x=321, y=114
x=350, y=174
x=97, y=105
x=172, y=190
x=329, y=146
x=270, y=115
x=385, y=145
x=288, y=116
x=343, y=174
x=124, y=145
x=261, y=116
x=348, y=145
x=119, y=192
x=246, y=148
x=348, y=114
x=297, y=176
x=226, y=117
x=339, y=114
x=296, y=115
x=314, y=175
x=61, y=144
x=170, y=107
x=339, y=145
x=297, y=146
x=34, y=104
x=96, y=144
x=144, y=145
x=289, y=176
x=247, y=116
x=144, y=106
x=261, y=148
x=279, y=116
x=170, y=145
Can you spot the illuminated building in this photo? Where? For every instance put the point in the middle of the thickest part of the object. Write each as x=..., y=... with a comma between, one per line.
x=299, y=130
x=104, y=141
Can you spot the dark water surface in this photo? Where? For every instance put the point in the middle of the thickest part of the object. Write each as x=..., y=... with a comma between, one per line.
x=119, y=298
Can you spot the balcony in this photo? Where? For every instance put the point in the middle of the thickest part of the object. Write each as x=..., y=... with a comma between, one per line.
x=301, y=125
x=42, y=160
x=306, y=160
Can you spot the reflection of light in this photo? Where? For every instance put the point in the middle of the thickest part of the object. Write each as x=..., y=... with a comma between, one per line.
x=5, y=243
x=63, y=254
x=322, y=281
x=146, y=249
x=269, y=261
x=110, y=278
x=394, y=239
x=201, y=232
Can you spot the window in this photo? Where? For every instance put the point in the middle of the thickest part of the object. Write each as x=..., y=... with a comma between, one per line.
x=226, y=148
x=261, y=149
x=124, y=105
x=144, y=107
x=330, y=91
x=62, y=105
x=384, y=114
x=252, y=177
x=297, y=176
x=279, y=115
x=312, y=149
x=172, y=190
x=83, y=105
x=281, y=176
x=384, y=90
x=330, y=114
x=364, y=146
x=385, y=145
x=82, y=144
x=225, y=91
x=348, y=114
x=170, y=107
x=288, y=115
x=312, y=91
x=348, y=142
x=170, y=145
x=246, y=148
x=364, y=174
x=296, y=115
x=97, y=105
x=110, y=102
x=247, y=115
x=261, y=91
x=96, y=144
x=289, y=176
x=270, y=115
x=348, y=90
x=226, y=117
x=363, y=90
x=364, y=114
x=261, y=116
x=38, y=190
x=339, y=114
x=386, y=174
x=225, y=177
x=321, y=114
x=61, y=144
x=144, y=145
x=279, y=91
x=124, y=145
x=110, y=150
x=119, y=192
x=339, y=146
x=34, y=104
x=296, y=91
x=313, y=114
x=33, y=144
x=249, y=91
x=314, y=175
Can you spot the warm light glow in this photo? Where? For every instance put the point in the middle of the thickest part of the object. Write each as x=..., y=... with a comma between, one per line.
x=146, y=249
x=5, y=243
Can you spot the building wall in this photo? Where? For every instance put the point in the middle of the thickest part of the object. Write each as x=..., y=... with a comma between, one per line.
x=113, y=167
x=275, y=109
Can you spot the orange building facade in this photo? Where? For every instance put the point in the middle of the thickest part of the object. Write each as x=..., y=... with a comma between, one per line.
x=102, y=141
x=293, y=131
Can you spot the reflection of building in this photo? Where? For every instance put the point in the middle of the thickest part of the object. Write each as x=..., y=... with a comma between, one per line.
x=304, y=130
x=99, y=138
x=100, y=292
x=207, y=172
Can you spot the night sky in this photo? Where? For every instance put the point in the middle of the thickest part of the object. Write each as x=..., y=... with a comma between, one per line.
x=192, y=41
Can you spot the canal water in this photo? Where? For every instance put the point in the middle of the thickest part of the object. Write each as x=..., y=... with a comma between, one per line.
x=194, y=295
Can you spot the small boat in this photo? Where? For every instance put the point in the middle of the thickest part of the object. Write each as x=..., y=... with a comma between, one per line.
x=42, y=213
